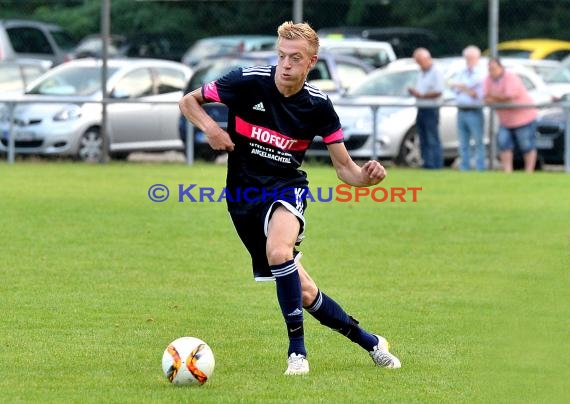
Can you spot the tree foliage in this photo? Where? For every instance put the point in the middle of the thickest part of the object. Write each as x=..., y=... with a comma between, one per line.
x=456, y=22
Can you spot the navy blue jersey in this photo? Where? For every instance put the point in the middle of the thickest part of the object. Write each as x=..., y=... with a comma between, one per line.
x=271, y=132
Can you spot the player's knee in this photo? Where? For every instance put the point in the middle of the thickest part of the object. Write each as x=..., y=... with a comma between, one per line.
x=278, y=254
x=309, y=295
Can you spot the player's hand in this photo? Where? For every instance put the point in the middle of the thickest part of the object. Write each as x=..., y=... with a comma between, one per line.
x=373, y=172
x=219, y=139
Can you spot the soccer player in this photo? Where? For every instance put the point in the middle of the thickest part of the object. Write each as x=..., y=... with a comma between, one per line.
x=274, y=114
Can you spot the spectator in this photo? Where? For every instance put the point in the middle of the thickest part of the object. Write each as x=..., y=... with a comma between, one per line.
x=470, y=121
x=428, y=91
x=517, y=126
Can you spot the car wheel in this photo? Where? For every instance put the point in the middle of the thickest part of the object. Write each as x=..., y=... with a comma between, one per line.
x=410, y=154
x=91, y=147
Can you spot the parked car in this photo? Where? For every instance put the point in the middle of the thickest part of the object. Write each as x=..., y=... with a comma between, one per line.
x=534, y=48
x=543, y=67
x=54, y=122
x=226, y=45
x=332, y=74
x=550, y=132
x=169, y=46
x=375, y=53
x=15, y=75
x=397, y=137
x=558, y=82
x=404, y=40
x=92, y=46
x=34, y=40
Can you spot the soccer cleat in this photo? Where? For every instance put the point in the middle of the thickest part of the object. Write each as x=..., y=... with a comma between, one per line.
x=297, y=365
x=382, y=356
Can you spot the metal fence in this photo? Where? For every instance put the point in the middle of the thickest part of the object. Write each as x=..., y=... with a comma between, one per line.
x=374, y=107
x=481, y=22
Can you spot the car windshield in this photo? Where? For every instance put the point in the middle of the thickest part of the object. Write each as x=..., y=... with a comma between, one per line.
x=560, y=75
x=514, y=53
x=73, y=81
x=385, y=83
x=64, y=40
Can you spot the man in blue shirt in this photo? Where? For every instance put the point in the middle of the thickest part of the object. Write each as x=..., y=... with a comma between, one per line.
x=468, y=89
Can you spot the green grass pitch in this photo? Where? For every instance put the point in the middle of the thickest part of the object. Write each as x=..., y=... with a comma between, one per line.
x=469, y=284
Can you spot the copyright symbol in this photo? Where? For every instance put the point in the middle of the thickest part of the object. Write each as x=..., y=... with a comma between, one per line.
x=158, y=193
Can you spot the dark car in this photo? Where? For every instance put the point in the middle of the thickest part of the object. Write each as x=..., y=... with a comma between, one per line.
x=30, y=39
x=550, y=132
x=403, y=39
x=170, y=46
x=166, y=46
x=226, y=45
x=332, y=74
x=92, y=46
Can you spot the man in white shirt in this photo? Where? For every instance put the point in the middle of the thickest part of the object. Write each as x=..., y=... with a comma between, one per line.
x=470, y=121
x=428, y=91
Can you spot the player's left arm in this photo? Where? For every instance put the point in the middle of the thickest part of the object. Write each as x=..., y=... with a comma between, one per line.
x=371, y=173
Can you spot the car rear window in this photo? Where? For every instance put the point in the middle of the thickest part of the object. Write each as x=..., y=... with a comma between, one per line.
x=29, y=40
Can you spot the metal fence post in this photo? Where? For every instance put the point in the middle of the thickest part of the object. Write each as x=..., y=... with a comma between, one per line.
x=11, y=137
x=105, y=35
x=492, y=144
x=567, y=138
x=374, y=129
x=189, y=143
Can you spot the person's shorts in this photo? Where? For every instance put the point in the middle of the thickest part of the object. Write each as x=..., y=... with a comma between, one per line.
x=251, y=221
x=524, y=137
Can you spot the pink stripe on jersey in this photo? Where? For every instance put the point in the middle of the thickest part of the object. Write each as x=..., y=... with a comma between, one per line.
x=270, y=137
x=334, y=137
x=210, y=92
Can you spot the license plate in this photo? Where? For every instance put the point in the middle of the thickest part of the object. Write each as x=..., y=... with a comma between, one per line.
x=544, y=143
x=25, y=136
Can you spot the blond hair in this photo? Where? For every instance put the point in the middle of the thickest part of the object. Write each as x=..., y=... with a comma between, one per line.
x=290, y=30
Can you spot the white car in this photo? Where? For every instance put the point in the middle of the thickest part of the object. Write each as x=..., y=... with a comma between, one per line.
x=396, y=133
x=559, y=81
x=375, y=53
x=62, y=111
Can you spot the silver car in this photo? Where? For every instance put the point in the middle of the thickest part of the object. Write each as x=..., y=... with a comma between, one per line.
x=16, y=74
x=397, y=137
x=52, y=121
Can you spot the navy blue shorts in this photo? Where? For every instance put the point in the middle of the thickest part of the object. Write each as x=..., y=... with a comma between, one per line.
x=251, y=221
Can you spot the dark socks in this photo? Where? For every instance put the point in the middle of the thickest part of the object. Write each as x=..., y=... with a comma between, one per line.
x=329, y=313
x=288, y=286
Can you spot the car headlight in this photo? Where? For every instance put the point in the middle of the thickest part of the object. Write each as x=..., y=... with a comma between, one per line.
x=68, y=113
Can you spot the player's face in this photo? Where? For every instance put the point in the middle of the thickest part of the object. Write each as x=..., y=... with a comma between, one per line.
x=294, y=62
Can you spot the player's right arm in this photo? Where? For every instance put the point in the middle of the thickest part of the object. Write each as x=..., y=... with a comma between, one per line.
x=191, y=107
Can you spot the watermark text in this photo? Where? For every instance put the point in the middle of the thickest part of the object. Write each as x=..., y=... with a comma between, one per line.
x=341, y=193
